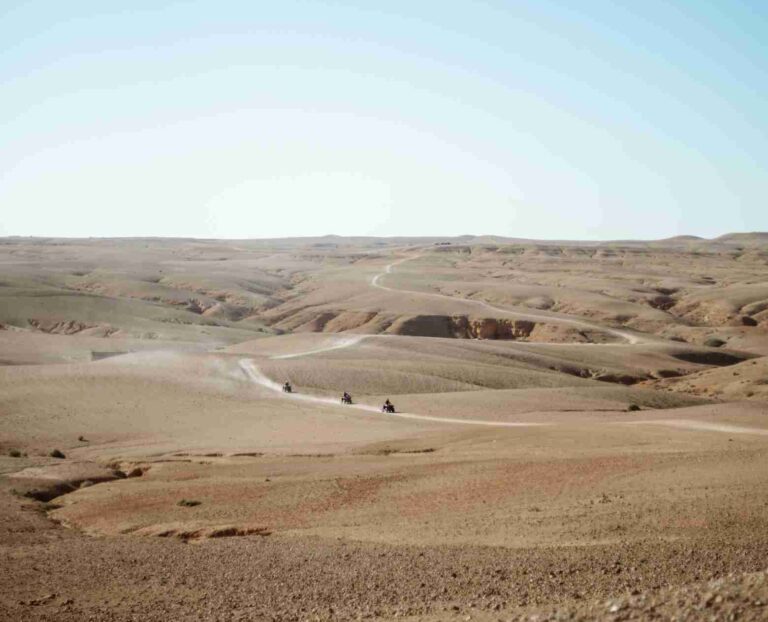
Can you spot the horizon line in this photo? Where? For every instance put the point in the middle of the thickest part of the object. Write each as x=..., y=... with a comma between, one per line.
x=469, y=236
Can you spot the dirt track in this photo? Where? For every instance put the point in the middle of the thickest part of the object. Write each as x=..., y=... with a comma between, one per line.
x=630, y=338
x=517, y=481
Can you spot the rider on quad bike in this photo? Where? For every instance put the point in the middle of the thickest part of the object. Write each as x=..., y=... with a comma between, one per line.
x=346, y=398
x=388, y=407
x=287, y=388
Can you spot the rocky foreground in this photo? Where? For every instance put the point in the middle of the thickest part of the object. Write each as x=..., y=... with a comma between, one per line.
x=49, y=572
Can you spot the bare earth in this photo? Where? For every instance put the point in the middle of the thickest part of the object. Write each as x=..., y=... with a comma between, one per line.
x=581, y=429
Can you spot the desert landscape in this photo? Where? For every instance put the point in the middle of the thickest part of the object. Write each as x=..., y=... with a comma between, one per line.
x=580, y=429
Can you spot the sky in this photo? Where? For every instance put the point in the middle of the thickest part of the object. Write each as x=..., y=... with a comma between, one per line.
x=550, y=119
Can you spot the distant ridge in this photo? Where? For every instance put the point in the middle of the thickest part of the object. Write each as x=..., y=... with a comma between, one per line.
x=683, y=238
x=747, y=236
x=752, y=238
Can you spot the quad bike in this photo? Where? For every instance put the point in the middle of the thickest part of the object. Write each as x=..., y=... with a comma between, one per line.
x=388, y=408
x=346, y=399
x=287, y=388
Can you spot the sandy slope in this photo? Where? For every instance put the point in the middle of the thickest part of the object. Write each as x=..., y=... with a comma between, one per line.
x=515, y=480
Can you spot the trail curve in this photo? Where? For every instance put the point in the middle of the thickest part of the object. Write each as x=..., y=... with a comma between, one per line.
x=257, y=376
x=630, y=338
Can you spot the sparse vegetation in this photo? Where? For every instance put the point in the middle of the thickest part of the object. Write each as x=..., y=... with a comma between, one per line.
x=15, y=453
x=633, y=408
x=188, y=503
x=57, y=454
x=82, y=439
x=714, y=342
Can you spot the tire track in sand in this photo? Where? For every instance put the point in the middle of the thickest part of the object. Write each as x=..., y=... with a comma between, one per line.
x=701, y=426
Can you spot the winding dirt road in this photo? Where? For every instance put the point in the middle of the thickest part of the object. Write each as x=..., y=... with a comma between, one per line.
x=255, y=375
x=628, y=337
x=343, y=342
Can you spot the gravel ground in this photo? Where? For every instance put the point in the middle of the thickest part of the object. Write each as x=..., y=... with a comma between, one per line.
x=52, y=573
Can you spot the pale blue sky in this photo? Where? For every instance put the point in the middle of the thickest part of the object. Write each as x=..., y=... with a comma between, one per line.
x=548, y=119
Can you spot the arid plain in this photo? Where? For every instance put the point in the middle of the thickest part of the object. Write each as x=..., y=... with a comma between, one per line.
x=581, y=429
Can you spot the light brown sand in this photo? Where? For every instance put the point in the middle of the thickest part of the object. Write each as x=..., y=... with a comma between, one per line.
x=515, y=480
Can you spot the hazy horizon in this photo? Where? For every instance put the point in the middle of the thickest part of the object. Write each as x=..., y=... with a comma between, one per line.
x=537, y=120
x=384, y=237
